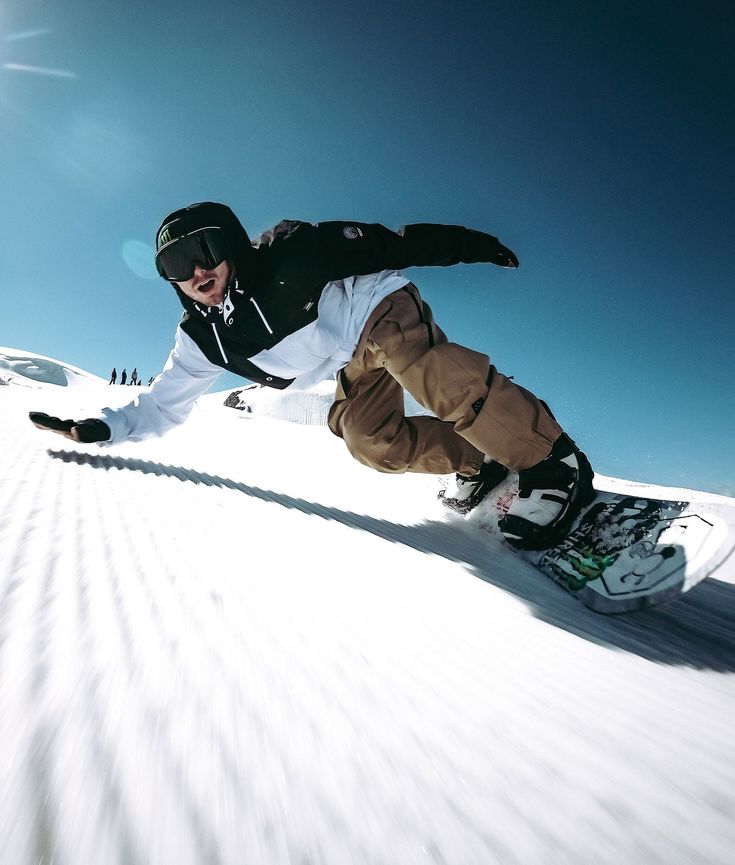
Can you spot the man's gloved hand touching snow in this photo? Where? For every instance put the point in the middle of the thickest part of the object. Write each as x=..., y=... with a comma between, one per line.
x=84, y=431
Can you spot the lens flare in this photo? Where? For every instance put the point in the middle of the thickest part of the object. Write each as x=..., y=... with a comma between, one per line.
x=140, y=259
x=23, y=35
x=27, y=34
x=39, y=70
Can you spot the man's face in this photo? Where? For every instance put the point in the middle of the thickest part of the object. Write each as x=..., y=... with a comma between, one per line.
x=207, y=286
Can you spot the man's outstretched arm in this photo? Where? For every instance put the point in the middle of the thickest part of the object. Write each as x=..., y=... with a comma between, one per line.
x=340, y=249
x=185, y=377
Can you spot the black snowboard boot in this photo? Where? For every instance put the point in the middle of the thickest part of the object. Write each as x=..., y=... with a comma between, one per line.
x=551, y=496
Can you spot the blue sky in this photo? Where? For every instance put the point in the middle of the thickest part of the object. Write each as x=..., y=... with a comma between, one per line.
x=595, y=139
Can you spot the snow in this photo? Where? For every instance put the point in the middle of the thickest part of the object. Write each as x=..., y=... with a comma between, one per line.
x=236, y=644
x=27, y=370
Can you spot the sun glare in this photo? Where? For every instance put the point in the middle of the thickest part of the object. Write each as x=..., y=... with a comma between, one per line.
x=39, y=70
x=27, y=34
x=25, y=67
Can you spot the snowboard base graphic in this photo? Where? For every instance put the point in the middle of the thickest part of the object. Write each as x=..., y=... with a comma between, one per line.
x=630, y=550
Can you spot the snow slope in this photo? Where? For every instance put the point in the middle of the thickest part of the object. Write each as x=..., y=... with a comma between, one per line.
x=237, y=645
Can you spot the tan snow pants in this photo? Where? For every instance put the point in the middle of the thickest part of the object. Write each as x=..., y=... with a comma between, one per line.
x=402, y=347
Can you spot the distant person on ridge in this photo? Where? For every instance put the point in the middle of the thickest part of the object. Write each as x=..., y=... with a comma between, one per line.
x=134, y=376
x=306, y=301
x=124, y=376
x=113, y=376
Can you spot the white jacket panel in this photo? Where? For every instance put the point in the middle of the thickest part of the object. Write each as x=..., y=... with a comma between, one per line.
x=186, y=375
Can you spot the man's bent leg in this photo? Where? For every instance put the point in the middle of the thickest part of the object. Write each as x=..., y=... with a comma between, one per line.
x=368, y=413
x=504, y=421
x=512, y=426
x=501, y=419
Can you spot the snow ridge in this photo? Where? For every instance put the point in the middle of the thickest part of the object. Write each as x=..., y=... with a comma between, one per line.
x=34, y=370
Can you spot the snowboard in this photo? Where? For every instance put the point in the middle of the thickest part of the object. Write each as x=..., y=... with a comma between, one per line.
x=634, y=546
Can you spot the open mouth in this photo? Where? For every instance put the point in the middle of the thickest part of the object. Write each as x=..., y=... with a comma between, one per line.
x=206, y=287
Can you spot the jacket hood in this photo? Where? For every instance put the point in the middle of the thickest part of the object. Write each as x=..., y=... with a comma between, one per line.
x=205, y=213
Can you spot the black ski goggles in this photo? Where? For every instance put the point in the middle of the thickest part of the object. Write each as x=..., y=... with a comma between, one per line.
x=206, y=247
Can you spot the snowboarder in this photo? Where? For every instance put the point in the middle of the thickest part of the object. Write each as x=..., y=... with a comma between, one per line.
x=113, y=376
x=305, y=302
x=134, y=377
x=124, y=376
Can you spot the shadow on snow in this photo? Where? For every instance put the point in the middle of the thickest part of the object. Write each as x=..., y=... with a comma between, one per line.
x=695, y=630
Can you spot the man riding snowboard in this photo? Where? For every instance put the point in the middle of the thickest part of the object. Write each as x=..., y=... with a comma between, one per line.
x=305, y=302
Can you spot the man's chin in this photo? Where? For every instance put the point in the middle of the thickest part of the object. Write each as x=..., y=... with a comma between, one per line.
x=213, y=298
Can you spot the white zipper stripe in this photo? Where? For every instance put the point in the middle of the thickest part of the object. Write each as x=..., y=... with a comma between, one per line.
x=260, y=313
x=216, y=336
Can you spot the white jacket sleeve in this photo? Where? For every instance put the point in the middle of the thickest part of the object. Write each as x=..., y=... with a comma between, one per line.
x=186, y=375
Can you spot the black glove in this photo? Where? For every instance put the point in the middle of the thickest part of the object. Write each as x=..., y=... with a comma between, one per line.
x=505, y=257
x=85, y=431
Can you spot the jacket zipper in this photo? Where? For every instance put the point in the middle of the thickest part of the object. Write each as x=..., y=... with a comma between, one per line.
x=260, y=313
x=221, y=350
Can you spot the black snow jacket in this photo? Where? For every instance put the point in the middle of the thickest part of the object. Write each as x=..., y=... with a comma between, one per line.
x=281, y=275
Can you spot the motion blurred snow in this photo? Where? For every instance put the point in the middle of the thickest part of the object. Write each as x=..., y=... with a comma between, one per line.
x=236, y=644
